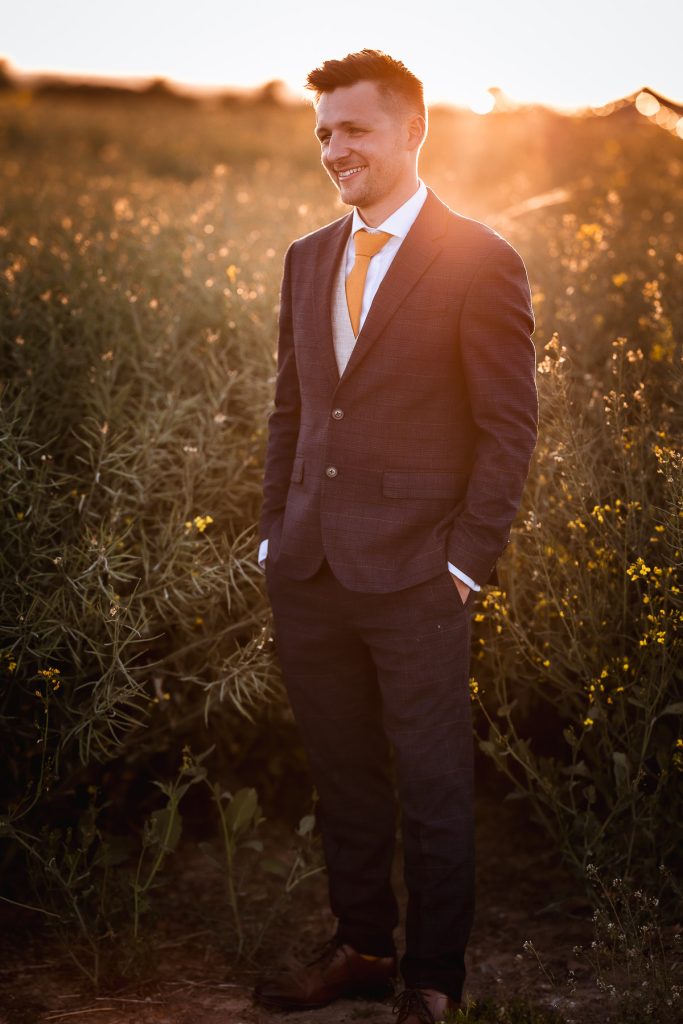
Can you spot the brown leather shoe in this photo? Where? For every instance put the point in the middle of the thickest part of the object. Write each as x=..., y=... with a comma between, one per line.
x=424, y=1006
x=338, y=970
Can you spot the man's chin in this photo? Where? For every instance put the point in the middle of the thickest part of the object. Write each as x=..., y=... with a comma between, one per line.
x=352, y=195
x=350, y=200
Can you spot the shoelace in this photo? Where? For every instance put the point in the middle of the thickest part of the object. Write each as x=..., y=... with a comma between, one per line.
x=411, y=1001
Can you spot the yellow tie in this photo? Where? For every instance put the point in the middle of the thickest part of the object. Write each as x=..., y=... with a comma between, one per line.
x=367, y=245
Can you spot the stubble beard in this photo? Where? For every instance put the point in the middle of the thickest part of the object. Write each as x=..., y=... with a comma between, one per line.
x=367, y=193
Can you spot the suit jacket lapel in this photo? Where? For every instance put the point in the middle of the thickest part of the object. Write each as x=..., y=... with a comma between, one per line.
x=329, y=256
x=418, y=250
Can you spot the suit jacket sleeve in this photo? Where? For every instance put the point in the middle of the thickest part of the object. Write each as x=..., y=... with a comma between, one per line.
x=499, y=363
x=283, y=423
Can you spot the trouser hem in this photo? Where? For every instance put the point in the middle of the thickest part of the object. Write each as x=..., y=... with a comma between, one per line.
x=451, y=980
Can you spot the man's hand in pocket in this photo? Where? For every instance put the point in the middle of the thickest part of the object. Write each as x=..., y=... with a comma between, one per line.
x=462, y=588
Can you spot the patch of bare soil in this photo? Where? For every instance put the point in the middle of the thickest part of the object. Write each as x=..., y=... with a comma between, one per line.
x=190, y=974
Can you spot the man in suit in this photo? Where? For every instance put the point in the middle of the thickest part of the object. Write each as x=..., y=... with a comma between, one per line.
x=405, y=418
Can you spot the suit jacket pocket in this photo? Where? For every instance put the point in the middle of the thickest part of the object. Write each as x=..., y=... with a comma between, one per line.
x=297, y=471
x=423, y=484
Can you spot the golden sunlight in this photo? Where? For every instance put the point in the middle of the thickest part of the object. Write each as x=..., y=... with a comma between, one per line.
x=482, y=103
x=458, y=50
x=647, y=104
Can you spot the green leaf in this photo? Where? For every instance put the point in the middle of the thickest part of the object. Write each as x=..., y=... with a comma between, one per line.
x=672, y=709
x=274, y=867
x=252, y=844
x=576, y=769
x=165, y=828
x=165, y=787
x=306, y=825
x=242, y=810
x=570, y=737
x=622, y=771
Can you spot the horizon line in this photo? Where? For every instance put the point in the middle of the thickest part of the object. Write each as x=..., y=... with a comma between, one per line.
x=21, y=76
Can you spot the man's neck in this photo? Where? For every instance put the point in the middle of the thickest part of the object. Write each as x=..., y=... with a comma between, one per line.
x=377, y=213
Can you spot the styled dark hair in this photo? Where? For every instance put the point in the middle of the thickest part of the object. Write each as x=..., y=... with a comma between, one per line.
x=392, y=76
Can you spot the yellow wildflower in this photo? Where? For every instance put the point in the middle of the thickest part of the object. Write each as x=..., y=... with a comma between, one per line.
x=591, y=232
x=638, y=569
x=199, y=522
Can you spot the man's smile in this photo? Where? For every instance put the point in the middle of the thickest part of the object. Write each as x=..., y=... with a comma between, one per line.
x=349, y=172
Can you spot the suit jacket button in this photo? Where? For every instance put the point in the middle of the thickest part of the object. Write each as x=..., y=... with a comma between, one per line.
x=331, y=471
x=337, y=414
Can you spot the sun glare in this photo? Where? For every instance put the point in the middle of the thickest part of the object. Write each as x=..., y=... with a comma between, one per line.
x=482, y=103
x=647, y=104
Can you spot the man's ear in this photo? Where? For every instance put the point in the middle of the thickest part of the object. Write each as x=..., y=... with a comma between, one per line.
x=417, y=131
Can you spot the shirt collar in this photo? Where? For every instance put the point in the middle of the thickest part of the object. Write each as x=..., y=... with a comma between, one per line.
x=400, y=221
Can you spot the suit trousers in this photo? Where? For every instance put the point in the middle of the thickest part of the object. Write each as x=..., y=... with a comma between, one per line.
x=378, y=685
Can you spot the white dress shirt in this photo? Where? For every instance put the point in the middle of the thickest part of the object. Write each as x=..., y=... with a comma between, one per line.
x=397, y=224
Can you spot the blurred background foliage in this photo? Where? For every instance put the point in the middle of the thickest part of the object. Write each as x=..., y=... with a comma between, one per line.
x=141, y=246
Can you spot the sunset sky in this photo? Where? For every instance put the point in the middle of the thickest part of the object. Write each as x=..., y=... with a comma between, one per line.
x=585, y=52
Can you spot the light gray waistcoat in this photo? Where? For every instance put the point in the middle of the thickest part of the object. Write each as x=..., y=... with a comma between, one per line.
x=342, y=331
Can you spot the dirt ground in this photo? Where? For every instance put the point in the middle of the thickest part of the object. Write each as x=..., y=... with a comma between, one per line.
x=191, y=978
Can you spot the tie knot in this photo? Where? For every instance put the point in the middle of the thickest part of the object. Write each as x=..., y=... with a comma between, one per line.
x=369, y=243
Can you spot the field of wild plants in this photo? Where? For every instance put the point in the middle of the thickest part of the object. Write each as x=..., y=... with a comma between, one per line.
x=141, y=246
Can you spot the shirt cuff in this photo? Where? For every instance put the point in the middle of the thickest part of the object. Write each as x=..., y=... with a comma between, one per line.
x=263, y=553
x=461, y=576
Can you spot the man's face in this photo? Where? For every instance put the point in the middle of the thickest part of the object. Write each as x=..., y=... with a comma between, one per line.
x=368, y=144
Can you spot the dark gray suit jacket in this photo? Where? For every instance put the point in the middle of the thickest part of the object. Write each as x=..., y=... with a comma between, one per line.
x=418, y=454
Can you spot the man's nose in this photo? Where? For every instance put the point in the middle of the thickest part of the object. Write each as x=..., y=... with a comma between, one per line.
x=337, y=148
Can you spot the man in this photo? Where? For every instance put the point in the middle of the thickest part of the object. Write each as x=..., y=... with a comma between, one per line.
x=405, y=417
